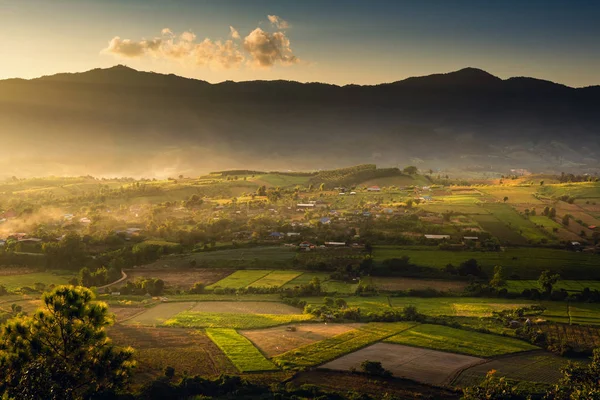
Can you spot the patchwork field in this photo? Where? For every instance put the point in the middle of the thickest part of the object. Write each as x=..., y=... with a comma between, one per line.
x=422, y=365
x=240, y=279
x=180, y=278
x=276, y=279
x=336, y=346
x=444, y=338
x=278, y=340
x=185, y=350
x=240, y=350
x=189, y=319
x=539, y=367
x=499, y=229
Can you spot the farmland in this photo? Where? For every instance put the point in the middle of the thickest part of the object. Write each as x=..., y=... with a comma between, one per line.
x=190, y=319
x=280, y=339
x=240, y=279
x=240, y=350
x=15, y=281
x=459, y=341
x=422, y=365
x=536, y=367
x=328, y=349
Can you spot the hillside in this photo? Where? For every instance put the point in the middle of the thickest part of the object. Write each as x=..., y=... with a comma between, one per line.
x=120, y=121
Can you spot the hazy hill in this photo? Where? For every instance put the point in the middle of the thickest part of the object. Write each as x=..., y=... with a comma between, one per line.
x=120, y=121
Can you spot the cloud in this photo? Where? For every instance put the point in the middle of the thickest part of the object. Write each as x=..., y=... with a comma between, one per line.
x=267, y=49
x=129, y=48
x=258, y=49
x=278, y=22
x=234, y=33
x=183, y=48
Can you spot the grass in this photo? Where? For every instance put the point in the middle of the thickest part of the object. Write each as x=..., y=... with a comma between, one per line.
x=546, y=222
x=240, y=350
x=270, y=257
x=160, y=313
x=458, y=306
x=12, y=282
x=336, y=346
x=240, y=279
x=276, y=279
x=499, y=229
x=510, y=217
x=444, y=338
x=305, y=278
x=568, y=285
x=526, y=263
x=192, y=319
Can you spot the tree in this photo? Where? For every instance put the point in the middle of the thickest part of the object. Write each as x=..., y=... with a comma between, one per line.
x=410, y=170
x=541, y=183
x=322, y=187
x=505, y=199
x=565, y=220
x=552, y=212
x=374, y=368
x=498, y=278
x=546, y=211
x=341, y=303
x=547, y=281
x=492, y=388
x=62, y=351
x=579, y=382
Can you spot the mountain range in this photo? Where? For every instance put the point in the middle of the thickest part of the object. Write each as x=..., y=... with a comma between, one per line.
x=119, y=121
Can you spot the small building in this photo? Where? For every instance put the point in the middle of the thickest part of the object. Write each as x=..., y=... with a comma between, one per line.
x=335, y=244
x=85, y=220
x=305, y=205
x=276, y=235
x=325, y=220
x=471, y=238
x=306, y=245
x=291, y=234
x=373, y=189
x=437, y=237
x=2, y=243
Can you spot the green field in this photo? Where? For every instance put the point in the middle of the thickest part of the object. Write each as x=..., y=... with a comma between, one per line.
x=276, y=279
x=271, y=257
x=546, y=222
x=192, y=319
x=568, y=285
x=444, y=338
x=526, y=263
x=12, y=282
x=240, y=279
x=520, y=224
x=240, y=350
x=328, y=349
x=499, y=229
x=305, y=278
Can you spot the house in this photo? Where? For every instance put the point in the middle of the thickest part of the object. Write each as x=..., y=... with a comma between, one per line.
x=388, y=210
x=305, y=205
x=30, y=240
x=290, y=234
x=2, y=243
x=325, y=220
x=85, y=220
x=276, y=235
x=470, y=238
x=437, y=237
x=335, y=244
x=373, y=189
x=68, y=217
x=306, y=245
x=352, y=193
x=426, y=198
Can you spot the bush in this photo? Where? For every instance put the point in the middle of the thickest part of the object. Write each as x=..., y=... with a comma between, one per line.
x=374, y=368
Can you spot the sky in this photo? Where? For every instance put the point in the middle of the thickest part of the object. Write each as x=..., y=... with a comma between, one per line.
x=334, y=41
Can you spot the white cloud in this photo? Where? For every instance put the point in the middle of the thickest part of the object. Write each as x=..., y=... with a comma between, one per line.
x=278, y=22
x=234, y=33
x=130, y=48
x=260, y=48
x=267, y=49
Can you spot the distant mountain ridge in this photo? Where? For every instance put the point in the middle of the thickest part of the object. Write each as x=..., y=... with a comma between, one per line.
x=119, y=120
